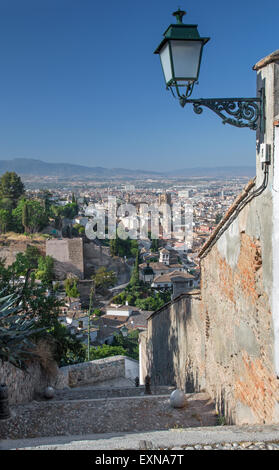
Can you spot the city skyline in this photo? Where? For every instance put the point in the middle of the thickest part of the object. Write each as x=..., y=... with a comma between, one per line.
x=80, y=83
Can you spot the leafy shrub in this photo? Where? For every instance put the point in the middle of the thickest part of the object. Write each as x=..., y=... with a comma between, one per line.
x=16, y=331
x=106, y=351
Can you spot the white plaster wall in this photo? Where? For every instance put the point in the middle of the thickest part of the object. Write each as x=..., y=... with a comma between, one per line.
x=229, y=244
x=131, y=368
x=119, y=313
x=275, y=251
x=140, y=365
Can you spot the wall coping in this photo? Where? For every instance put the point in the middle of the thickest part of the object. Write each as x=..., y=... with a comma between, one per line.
x=104, y=360
x=177, y=299
x=227, y=216
x=273, y=57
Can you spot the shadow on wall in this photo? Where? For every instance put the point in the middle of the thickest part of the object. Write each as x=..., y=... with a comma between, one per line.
x=169, y=354
x=192, y=383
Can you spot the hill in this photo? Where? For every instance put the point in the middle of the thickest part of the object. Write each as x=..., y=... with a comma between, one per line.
x=32, y=167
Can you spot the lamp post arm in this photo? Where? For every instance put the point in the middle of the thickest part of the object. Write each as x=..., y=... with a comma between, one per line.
x=239, y=112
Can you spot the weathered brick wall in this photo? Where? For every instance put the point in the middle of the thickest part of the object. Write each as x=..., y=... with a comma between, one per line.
x=224, y=341
x=240, y=371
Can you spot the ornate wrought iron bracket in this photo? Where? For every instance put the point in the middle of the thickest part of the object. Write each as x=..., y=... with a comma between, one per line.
x=242, y=112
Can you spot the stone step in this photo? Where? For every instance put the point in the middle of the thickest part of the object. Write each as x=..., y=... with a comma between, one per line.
x=115, y=414
x=91, y=393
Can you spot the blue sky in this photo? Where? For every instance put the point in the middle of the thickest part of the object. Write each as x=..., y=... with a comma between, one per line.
x=80, y=82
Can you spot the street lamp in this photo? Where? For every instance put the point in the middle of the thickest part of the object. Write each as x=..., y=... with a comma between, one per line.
x=180, y=53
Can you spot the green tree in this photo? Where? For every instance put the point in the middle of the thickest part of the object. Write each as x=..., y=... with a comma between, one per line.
x=45, y=270
x=30, y=216
x=25, y=217
x=103, y=278
x=25, y=262
x=70, y=210
x=120, y=247
x=38, y=309
x=135, y=281
x=5, y=220
x=129, y=343
x=154, y=245
x=7, y=204
x=78, y=230
x=32, y=254
x=97, y=312
x=134, y=248
x=106, y=351
x=57, y=213
x=45, y=196
x=67, y=348
x=20, y=266
x=11, y=187
x=5, y=275
x=120, y=298
x=142, y=297
x=71, y=289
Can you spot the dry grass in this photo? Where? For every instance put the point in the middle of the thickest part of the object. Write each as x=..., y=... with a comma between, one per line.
x=10, y=236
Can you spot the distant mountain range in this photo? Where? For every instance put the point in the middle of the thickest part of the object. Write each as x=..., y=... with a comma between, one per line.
x=31, y=167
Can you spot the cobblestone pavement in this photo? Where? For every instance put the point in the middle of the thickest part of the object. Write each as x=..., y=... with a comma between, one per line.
x=214, y=438
x=125, y=414
x=231, y=446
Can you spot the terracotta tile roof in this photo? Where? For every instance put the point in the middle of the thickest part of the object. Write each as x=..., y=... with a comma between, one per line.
x=120, y=307
x=175, y=274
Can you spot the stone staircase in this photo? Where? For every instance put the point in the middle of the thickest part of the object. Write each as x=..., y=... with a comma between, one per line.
x=97, y=392
x=110, y=407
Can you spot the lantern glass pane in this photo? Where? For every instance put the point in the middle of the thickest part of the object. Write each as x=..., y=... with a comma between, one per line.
x=186, y=58
x=166, y=62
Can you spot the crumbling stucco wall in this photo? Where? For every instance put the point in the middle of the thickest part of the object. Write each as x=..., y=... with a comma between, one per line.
x=223, y=340
x=236, y=291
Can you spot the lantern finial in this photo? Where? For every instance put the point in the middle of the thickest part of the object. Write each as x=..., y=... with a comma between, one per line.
x=179, y=15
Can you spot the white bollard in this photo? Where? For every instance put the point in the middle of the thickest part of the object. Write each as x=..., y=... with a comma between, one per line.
x=178, y=399
x=49, y=392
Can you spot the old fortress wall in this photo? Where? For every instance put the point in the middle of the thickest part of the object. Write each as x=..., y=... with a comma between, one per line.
x=68, y=256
